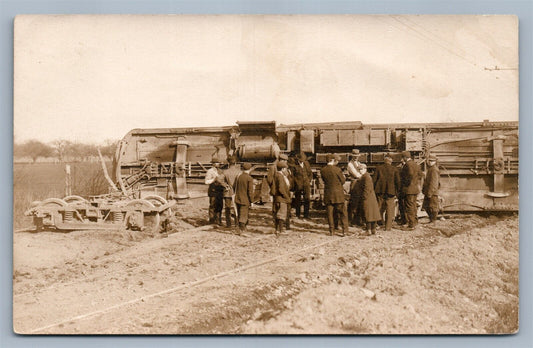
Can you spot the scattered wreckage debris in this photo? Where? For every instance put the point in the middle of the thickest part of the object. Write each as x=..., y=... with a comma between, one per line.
x=101, y=212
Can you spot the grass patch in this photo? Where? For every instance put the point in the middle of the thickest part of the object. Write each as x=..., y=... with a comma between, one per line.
x=39, y=181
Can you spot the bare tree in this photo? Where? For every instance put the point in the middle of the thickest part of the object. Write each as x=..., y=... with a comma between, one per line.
x=33, y=149
x=61, y=148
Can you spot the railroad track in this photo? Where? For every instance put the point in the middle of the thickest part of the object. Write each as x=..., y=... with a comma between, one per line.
x=181, y=287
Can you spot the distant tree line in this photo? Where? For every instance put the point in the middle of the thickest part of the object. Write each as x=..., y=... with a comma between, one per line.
x=63, y=149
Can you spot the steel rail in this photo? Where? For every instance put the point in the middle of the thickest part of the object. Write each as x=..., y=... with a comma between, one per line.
x=181, y=287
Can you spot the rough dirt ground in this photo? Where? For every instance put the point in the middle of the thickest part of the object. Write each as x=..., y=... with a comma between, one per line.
x=459, y=276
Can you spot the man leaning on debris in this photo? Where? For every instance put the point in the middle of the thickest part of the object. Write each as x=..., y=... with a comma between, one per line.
x=244, y=193
x=334, y=179
x=215, y=191
x=410, y=176
x=430, y=189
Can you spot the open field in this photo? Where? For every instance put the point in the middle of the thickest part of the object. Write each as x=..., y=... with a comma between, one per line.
x=38, y=181
x=459, y=276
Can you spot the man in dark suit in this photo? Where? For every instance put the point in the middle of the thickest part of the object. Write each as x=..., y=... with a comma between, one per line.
x=334, y=200
x=410, y=177
x=386, y=187
x=229, y=179
x=430, y=189
x=244, y=193
x=215, y=179
x=302, y=184
x=280, y=190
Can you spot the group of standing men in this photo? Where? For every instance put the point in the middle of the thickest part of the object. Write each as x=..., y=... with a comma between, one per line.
x=231, y=189
x=290, y=186
x=372, y=199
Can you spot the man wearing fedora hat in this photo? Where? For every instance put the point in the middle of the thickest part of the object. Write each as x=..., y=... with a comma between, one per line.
x=215, y=179
x=280, y=190
x=410, y=176
x=302, y=184
x=244, y=195
x=430, y=189
x=354, y=204
x=333, y=179
x=386, y=187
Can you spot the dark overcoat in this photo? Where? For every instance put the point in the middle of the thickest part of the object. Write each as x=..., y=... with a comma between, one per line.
x=244, y=189
x=431, y=184
x=281, y=191
x=386, y=180
x=410, y=176
x=230, y=175
x=302, y=175
x=333, y=180
x=370, y=203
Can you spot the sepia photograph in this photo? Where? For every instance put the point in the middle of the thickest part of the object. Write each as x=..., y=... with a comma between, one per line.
x=266, y=175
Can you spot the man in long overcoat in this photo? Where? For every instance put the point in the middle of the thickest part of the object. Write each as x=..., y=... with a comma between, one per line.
x=334, y=200
x=371, y=211
x=386, y=187
x=302, y=184
x=244, y=195
x=430, y=189
x=410, y=177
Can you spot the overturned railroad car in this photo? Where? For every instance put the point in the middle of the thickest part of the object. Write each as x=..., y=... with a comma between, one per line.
x=478, y=161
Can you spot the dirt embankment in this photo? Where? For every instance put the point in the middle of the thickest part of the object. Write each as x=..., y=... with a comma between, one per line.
x=458, y=276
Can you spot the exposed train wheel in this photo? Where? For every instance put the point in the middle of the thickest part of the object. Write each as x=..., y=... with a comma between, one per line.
x=56, y=216
x=159, y=201
x=53, y=202
x=74, y=199
x=142, y=216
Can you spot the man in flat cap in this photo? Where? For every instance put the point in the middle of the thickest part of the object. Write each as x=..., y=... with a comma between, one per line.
x=302, y=184
x=271, y=175
x=215, y=179
x=354, y=204
x=334, y=179
x=430, y=189
x=410, y=176
x=244, y=196
x=280, y=190
x=386, y=186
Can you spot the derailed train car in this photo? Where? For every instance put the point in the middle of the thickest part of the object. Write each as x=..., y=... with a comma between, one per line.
x=478, y=161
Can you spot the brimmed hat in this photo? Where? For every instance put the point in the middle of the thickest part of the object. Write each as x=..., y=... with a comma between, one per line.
x=330, y=157
x=406, y=154
x=215, y=160
x=432, y=158
x=283, y=157
x=246, y=166
x=355, y=152
x=301, y=156
x=281, y=165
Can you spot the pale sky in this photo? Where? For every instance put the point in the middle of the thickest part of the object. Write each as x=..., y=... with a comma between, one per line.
x=90, y=78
